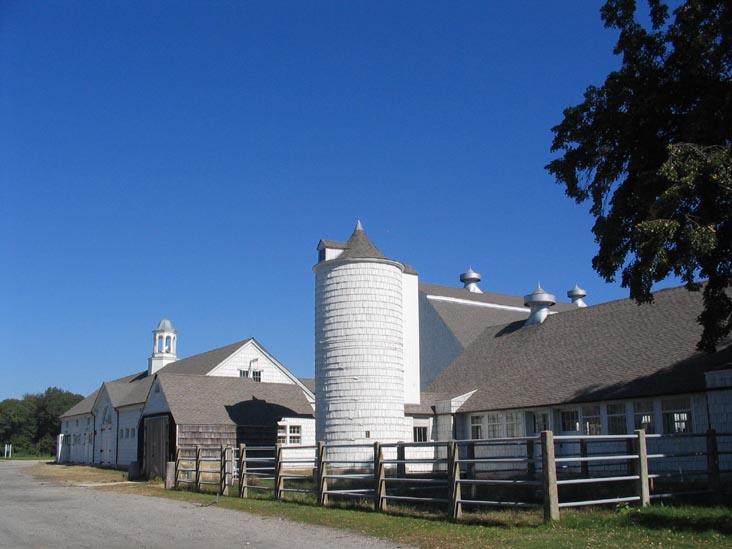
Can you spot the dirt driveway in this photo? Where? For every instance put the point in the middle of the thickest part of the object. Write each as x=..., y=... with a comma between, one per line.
x=40, y=513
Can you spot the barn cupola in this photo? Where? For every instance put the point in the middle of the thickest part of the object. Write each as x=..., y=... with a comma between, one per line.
x=577, y=295
x=539, y=301
x=165, y=341
x=470, y=281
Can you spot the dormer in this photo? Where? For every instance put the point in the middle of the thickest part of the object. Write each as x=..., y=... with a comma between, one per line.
x=330, y=249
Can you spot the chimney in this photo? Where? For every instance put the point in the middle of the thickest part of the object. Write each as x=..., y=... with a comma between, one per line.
x=470, y=281
x=539, y=301
x=577, y=295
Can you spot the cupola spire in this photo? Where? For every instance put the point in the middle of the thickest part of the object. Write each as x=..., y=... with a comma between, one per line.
x=165, y=342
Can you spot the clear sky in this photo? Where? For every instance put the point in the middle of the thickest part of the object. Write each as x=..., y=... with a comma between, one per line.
x=182, y=160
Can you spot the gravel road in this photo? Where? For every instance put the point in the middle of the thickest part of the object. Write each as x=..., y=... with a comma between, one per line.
x=39, y=513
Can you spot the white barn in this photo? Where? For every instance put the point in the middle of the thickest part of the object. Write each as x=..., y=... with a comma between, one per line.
x=109, y=426
x=492, y=365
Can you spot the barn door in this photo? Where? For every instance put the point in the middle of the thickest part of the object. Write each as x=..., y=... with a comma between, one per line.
x=156, y=446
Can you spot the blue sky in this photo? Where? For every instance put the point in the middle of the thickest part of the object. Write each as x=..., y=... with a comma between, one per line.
x=182, y=160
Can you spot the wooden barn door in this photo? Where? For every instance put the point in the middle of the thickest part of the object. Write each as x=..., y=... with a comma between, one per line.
x=156, y=446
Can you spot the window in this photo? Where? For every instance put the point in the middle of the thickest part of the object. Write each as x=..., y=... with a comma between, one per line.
x=88, y=420
x=295, y=434
x=493, y=426
x=476, y=427
x=368, y=434
x=257, y=375
x=77, y=422
x=676, y=415
x=281, y=434
x=616, y=423
x=127, y=433
x=121, y=433
x=643, y=417
x=591, y=424
x=513, y=424
x=243, y=373
x=420, y=434
x=570, y=421
x=541, y=422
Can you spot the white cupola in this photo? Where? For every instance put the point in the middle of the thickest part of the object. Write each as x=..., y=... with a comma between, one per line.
x=539, y=301
x=165, y=341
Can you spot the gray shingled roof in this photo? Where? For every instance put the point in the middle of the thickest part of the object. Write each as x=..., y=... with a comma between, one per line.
x=426, y=402
x=359, y=246
x=466, y=321
x=309, y=383
x=609, y=351
x=82, y=407
x=212, y=400
x=203, y=363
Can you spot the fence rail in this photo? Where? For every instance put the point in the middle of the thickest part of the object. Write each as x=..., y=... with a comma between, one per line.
x=548, y=472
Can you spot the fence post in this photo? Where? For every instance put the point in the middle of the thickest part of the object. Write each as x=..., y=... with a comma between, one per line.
x=453, y=480
x=243, y=492
x=630, y=449
x=379, y=475
x=322, y=474
x=229, y=468
x=713, y=464
x=530, y=464
x=549, y=471
x=177, y=468
x=470, y=472
x=643, y=487
x=198, y=468
x=279, y=480
x=584, y=465
x=223, y=487
x=401, y=458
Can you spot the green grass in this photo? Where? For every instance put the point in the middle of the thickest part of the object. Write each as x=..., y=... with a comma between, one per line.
x=658, y=526
x=28, y=457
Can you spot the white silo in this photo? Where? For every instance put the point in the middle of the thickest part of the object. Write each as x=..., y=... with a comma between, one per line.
x=359, y=338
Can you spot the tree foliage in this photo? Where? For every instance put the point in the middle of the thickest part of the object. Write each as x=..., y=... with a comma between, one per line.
x=651, y=151
x=32, y=423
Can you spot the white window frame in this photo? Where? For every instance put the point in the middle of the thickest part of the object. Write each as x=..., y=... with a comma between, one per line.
x=476, y=427
x=675, y=412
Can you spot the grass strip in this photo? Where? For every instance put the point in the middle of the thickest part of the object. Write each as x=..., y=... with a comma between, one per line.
x=657, y=526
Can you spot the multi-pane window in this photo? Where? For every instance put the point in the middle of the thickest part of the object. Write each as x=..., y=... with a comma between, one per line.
x=295, y=434
x=591, y=423
x=541, y=422
x=676, y=415
x=513, y=424
x=493, y=426
x=257, y=375
x=643, y=416
x=570, y=421
x=281, y=434
x=476, y=427
x=420, y=434
x=243, y=373
x=616, y=422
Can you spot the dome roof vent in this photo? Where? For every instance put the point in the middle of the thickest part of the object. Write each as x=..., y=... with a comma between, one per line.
x=470, y=281
x=539, y=301
x=577, y=296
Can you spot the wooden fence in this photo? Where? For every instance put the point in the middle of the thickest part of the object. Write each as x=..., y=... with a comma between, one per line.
x=544, y=472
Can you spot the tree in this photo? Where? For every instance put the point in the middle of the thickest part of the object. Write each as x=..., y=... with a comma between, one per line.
x=31, y=424
x=651, y=150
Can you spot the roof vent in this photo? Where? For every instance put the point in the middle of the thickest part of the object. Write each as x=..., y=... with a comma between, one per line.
x=539, y=301
x=577, y=295
x=470, y=280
